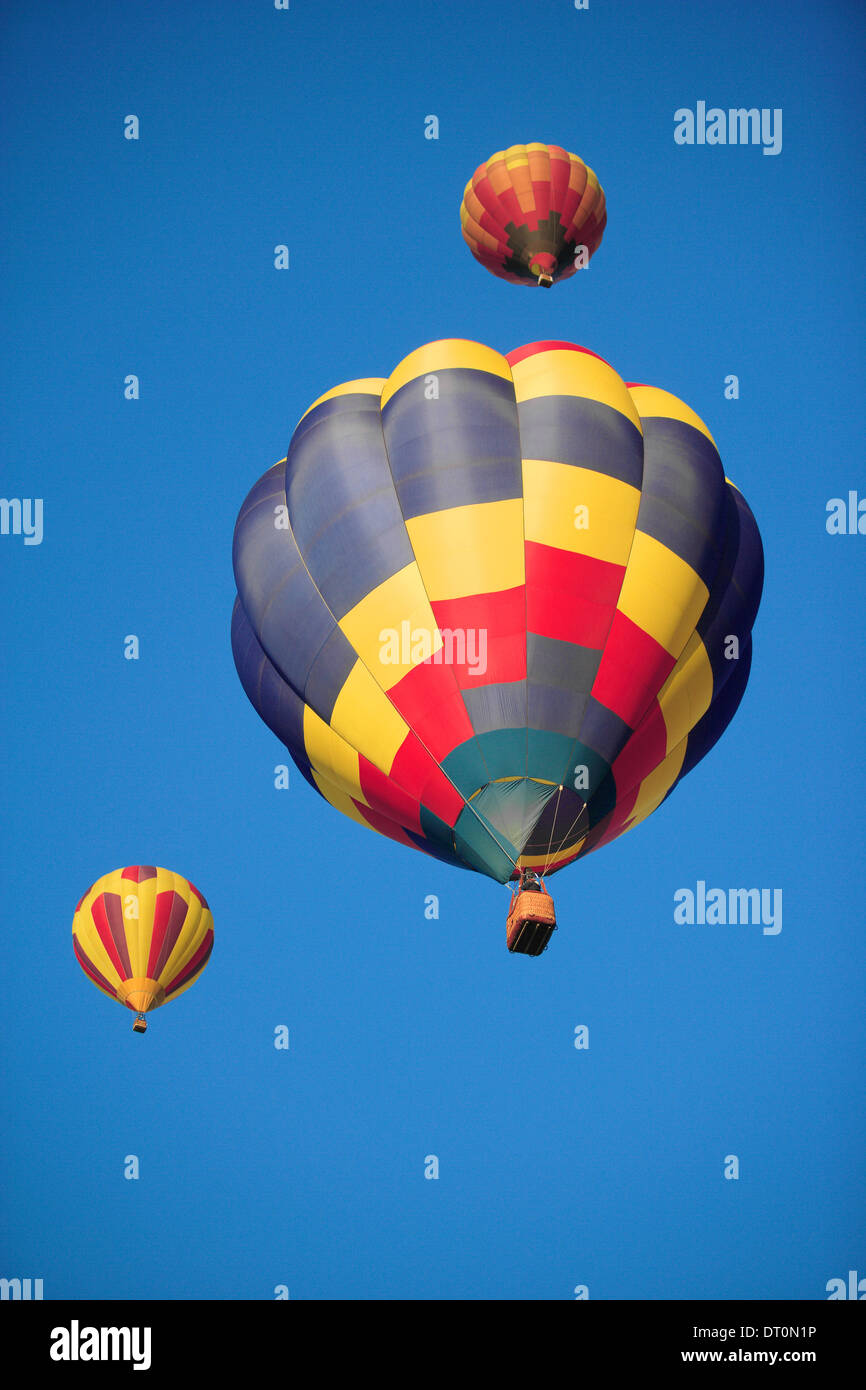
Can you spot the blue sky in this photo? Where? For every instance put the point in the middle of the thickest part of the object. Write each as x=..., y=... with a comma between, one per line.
x=408, y=1037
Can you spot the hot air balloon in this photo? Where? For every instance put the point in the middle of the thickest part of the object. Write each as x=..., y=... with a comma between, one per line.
x=533, y=214
x=496, y=607
x=142, y=935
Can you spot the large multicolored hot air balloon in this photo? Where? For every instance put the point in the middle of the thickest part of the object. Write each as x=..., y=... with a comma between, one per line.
x=533, y=214
x=497, y=607
x=142, y=935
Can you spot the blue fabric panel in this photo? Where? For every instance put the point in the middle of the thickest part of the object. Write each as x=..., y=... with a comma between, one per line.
x=461, y=448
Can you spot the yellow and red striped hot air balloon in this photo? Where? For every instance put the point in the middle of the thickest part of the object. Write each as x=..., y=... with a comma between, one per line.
x=527, y=211
x=142, y=935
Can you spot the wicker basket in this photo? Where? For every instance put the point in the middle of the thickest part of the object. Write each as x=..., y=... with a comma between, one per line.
x=530, y=923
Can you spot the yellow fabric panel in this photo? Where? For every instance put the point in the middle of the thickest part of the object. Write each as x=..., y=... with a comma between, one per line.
x=85, y=928
x=661, y=593
x=578, y=174
x=655, y=787
x=521, y=180
x=364, y=386
x=139, y=932
x=141, y=994
x=441, y=356
x=539, y=159
x=686, y=694
x=472, y=212
x=519, y=777
x=330, y=755
x=653, y=401
x=364, y=716
x=192, y=934
x=478, y=237
x=93, y=947
x=399, y=600
x=340, y=799
x=497, y=173
x=551, y=493
x=563, y=372
x=477, y=549
x=589, y=198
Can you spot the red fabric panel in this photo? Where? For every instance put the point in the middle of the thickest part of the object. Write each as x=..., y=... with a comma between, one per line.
x=385, y=825
x=502, y=616
x=431, y=704
x=168, y=917
x=426, y=781
x=644, y=751
x=633, y=670
x=571, y=598
x=550, y=345
x=108, y=919
x=385, y=798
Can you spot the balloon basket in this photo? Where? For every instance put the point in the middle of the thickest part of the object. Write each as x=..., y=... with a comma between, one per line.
x=530, y=923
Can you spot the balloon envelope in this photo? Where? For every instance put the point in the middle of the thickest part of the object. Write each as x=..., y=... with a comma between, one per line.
x=496, y=607
x=533, y=214
x=143, y=935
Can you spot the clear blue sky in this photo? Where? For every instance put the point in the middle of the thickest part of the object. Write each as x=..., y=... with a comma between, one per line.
x=411, y=1037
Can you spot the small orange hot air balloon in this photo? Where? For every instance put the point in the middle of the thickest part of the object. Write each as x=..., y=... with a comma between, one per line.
x=142, y=935
x=533, y=214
